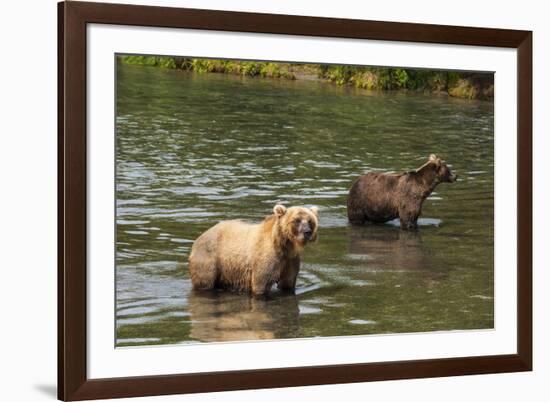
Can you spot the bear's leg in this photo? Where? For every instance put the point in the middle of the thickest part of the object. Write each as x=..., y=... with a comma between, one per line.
x=408, y=217
x=262, y=280
x=289, y=274
x=203, y=270
x=356, y=217
x=408, y=225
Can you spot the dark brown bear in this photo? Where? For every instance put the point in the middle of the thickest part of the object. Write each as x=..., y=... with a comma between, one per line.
x=381, y=197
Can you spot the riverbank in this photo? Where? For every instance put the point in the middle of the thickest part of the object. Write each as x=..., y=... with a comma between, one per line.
x=456, y=84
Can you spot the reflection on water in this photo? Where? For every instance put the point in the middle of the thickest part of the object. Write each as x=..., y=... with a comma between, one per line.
x=196, y=149
x=388, y=249
x=218, y=317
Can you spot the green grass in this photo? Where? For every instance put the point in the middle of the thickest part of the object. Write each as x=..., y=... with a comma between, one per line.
x=457, y=84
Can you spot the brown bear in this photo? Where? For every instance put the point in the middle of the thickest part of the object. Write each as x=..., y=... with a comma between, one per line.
x=380, y=197
x=249, y=257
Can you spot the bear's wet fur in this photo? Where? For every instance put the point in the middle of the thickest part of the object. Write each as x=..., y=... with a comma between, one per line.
x=247, y=257
x=381, y=197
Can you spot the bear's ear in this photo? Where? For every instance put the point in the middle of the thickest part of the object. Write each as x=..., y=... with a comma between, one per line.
x=315, y=210
x=279, y=210
x=435, y=159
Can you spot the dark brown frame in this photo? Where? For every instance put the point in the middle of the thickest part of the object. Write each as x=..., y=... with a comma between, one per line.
x=73, y=383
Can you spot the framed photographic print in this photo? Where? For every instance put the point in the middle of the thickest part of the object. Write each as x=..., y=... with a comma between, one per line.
x=253, y=200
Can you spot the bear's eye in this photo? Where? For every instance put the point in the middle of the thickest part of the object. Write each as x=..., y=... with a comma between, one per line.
x=297, y=221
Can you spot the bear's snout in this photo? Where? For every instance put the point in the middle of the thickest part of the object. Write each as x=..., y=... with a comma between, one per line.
x=453, y=177
x=308, y=234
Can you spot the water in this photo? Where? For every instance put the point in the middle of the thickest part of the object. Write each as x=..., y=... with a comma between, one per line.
x=196, y=149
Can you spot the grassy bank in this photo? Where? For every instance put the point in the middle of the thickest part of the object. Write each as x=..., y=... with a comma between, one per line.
x=457, y=84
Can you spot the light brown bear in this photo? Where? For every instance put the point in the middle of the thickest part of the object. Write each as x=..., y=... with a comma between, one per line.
x=249, y=257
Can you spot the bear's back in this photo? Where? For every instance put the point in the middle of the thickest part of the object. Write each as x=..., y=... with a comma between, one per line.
x=377, y=182
x=233, y=236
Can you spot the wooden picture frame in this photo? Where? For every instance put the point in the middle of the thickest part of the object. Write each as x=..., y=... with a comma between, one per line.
x=73, y=382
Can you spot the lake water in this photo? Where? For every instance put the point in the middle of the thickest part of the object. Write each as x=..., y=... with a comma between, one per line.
x=196, y=149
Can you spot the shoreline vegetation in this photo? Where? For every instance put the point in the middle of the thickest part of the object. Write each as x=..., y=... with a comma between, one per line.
x=466, y=85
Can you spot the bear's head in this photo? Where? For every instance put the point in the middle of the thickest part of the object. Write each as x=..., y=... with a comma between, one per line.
x=298, y=224
x=443, y=172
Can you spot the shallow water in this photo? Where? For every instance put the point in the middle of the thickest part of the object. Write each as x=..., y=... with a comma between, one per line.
x=195, y=149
